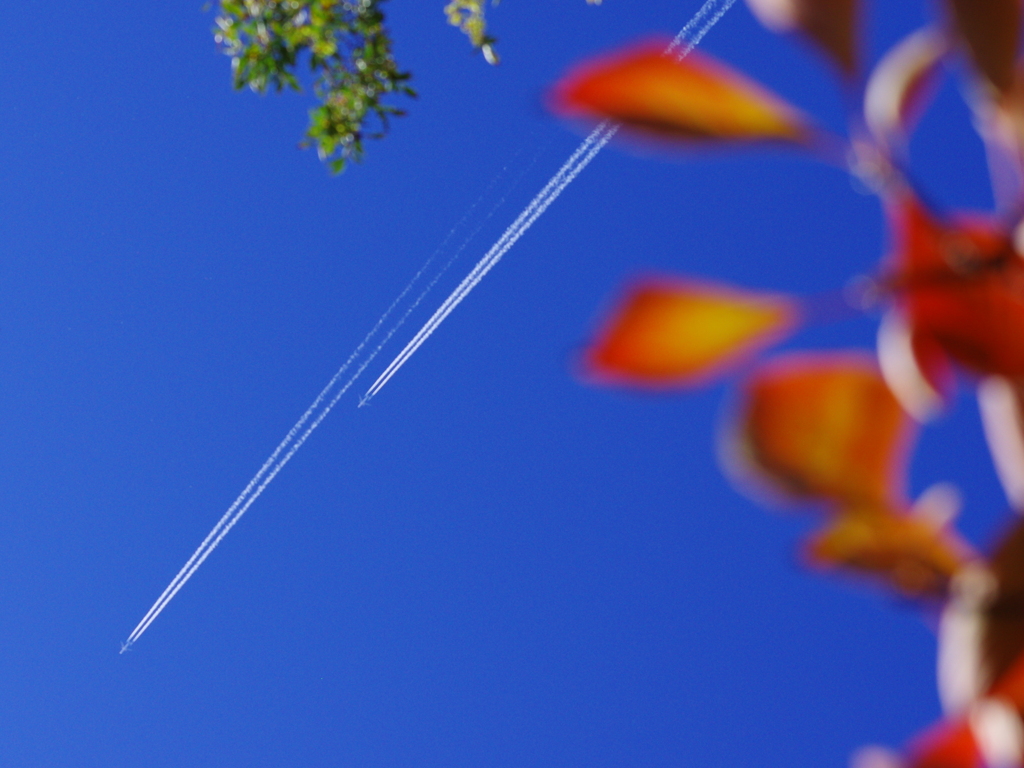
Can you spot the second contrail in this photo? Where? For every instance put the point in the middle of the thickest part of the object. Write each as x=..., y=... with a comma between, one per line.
x=705, y=18
x=689, y=36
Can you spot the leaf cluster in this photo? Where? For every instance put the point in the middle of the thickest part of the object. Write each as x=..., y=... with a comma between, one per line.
x=833, y=431
x=349, y=54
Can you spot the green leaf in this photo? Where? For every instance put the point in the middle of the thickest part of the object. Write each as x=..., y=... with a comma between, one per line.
x=349, y=54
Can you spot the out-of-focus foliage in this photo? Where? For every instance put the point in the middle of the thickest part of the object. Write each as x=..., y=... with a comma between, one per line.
x=961, y=285
x=693, y=99
x=670, y=333
x=835, y=430
x=833, y=25
x=348, y=49
x=824, y=428
x=470, y=17
x=900, y=86
x=989, y=30
x=349, y=54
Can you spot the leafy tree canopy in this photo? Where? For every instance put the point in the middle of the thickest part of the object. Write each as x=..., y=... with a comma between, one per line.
x=349, y=52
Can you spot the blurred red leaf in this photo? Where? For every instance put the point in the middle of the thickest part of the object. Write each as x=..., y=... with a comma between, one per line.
x=990, y=734
x=912, y=552
x=1002, y=640
x=961, y=286
x=677, y=333
x=990, y=31
x=833, y=25
x=696, y=98
x=949, y=744
x=825, y=427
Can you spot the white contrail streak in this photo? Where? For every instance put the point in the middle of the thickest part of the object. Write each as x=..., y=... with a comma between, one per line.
x=565, y=175
x=228, y=518
x=244, y=500
x=688, y=39
x=706, y=17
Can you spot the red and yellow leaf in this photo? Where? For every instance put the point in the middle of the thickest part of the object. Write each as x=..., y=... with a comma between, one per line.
x=912, y=553
x=825, y=427
x=678, y=333
x=695, y=99
x=833, y=25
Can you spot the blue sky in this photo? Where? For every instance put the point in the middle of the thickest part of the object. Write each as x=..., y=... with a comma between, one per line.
x=493, y=564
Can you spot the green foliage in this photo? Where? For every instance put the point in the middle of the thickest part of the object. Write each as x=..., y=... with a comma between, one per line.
x=349, y=53
x=468, y=16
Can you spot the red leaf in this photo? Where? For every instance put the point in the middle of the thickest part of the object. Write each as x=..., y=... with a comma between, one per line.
x=825, y=427
x=990, y=30
x=961, y=286
x=679, y=333
x=910, y=552
x=693, y=99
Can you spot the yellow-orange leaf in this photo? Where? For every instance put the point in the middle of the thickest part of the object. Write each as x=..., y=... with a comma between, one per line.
x=696, y=98
x=906, y=551
x=673, y=333
x=825, y=427
x=990, y=30
x=833, y=25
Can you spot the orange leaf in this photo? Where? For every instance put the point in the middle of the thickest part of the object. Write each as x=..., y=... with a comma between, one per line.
x=913, y=553
x=677, y=333
x=833, y=25
x=696, y=98
x=990, y=30
x=900, y=84
x=825, y=427
x=961, y=286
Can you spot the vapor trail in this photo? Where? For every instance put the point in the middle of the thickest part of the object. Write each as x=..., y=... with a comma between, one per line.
x=565, y=175
x=686, y=40
x=248, y=494
x=706, y=17
x=227, y=519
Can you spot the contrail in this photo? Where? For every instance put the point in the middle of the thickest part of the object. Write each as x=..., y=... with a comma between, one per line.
x=686, y=40
x=565, y=175
x=706, y=17
x=229, y=518
x=255, y=486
